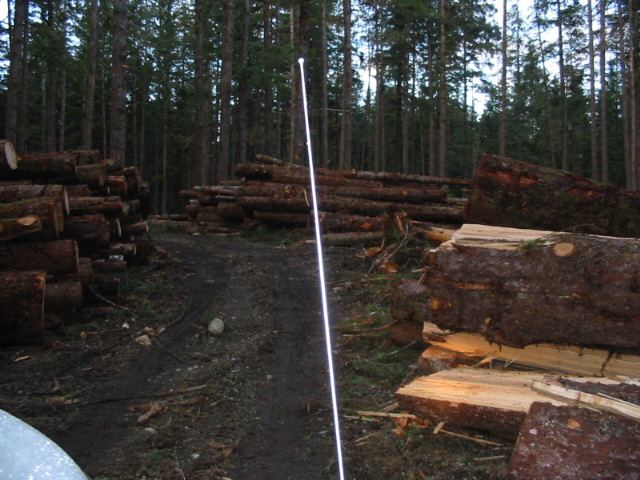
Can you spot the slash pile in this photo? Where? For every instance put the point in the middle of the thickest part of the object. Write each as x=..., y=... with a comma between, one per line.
x=349, y=200
x=70, y=224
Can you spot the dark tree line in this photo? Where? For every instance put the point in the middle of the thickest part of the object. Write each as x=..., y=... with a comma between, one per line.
x=187, y=89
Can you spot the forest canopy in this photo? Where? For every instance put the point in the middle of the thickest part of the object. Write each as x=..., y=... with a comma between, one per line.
x=185, y=90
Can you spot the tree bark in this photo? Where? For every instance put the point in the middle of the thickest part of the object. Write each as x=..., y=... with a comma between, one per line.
x=563, y=88
x=324, y=88
x=62, y=296
x=14, y=80
x=22, y=313
x=224, y=157
x=92, y=205
x=604, y=124
x=92, y=61
x=60, y=256
x=11, y=228
x=23, y=91
x=118, y=81
x=345, y=131
x=90, y=231
x=243, y=85
x=442, y=93
x=50, y=210
x=268, y=131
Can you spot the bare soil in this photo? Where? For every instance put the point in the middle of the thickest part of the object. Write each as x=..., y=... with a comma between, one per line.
x=251, y=403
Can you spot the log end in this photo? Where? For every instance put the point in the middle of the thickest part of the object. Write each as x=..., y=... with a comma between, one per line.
x=10, y=154
x=564, y=249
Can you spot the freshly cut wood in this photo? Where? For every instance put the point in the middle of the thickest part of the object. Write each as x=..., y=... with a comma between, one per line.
x=50, y=211
x=59, y=256
x=115, y=263
x=117, y=185
x=230, y=210
x=11, y=228
x=512, y=286
x=574, y=443
x=78, y=190
x=559, y=358
x=105, y=205
x=13, y=193
x=409, y=301
x=515, y=194
x=435, y=234
x=22, y=312
x=135, y=229
x=63, y=296
x=89, y=230
x=433, y=360
x=491, y=400
x=93, y=175
x=395, y=194
x=8, y=155
x=328, y=203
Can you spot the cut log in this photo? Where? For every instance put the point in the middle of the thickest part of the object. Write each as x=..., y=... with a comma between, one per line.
x=409, y=300
x=394, y=194
x=276, y=174
x=511, y=286
x=329, y=203
x=109, y=206
x=11, y=228
x=78, y=191
x=113, y=264
x=490, y=400
x=204, y=216
x=230, y=191
x=22, y=312
x=559, y=358
x=43, y=165
x=91, y=231
x=352, y=239
x=14, y=193
x=5, y=183
x=117, y=185
x=135, y=229
x=514, y=194
x=574, y=443
x=434, y=360
x=50, y=211
x=87, y=157
x=62, y=296
x=60, y=256
x=230, y=210
x=93, y=175
x=395, y=178
x=8, y=156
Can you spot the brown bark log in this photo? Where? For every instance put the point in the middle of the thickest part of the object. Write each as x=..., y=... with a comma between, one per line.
x=399, y=178
x=63, y=296
x=110, y=206
x=58, y=164
x=78, y=191
x=94, y=175
x=89, y=230
x=109, y=265
x=434, y=212
x=298, y=175
x=350, y=239
x=50, y=211
x=22, y=312
x=117, y=185
x=113, y=165
x=574, y=443
x=396, y=194
x=8, y=156
x=11, y=228
x=13, y=193
x=60, y=256
x=87, y=157
x=230, y=190
x=230, y=210
x=135, y=229
x=409, y=302
x=331, y=222
x=204, y=216
x=514, y=194
x=515, y=288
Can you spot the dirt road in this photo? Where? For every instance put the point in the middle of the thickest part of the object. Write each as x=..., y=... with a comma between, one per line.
x=249, y=404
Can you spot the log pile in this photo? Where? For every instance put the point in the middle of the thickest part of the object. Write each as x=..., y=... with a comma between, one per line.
x=70, y=224
x=349, y=200
x=555, y=314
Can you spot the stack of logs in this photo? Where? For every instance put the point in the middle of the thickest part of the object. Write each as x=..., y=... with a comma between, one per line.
x=70, y=223
x=349, y=200
x=555, y=313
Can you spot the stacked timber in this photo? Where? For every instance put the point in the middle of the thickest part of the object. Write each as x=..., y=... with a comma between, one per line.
x=70, y=223
x=556, y=315
x=349, y=200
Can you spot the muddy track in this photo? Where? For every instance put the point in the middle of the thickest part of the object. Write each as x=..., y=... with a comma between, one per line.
x=265, y=375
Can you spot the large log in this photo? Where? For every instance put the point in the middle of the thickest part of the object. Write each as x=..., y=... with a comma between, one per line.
x=78, y=190
x=91, y=231
x=514, y=194
x=8, y=156
x=110, y=206
x=22, y=312
x=230, y=210
x=50, y=211
x=13, y=193
x=398, y=178
x=59, y=164
x=520, y=287
x=573, y=443
x=277, y=174
x=331, y=222
x=94, y=175
x=11, y=228
x=86, y=157
x=117, y=185
x=394, y=194
x=60, y=256
x=63, y=296
x=330, y=203
x=409, y=301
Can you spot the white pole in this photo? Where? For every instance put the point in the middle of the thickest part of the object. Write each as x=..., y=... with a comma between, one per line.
x=323, y=288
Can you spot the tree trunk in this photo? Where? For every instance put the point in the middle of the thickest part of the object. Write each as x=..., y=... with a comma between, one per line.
x=202, y=94
x=16, y=69
x=503, y=84
x=604, y=136
x=11, y=228
x=90, y=231
x=345, y=131
x=592, y=96
x=324, y=88
x=92, y=61
x=633, y=127
x=563, y=88
x=442, y=93
x=224, y=158
x=433, y=146
x=90, y=205
x=52, y=63
x=522, y=195
x=521, y=287
x=243, y=85
x=60, y=256
x=22, y=313
x=624, y=94
x=118, y=80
